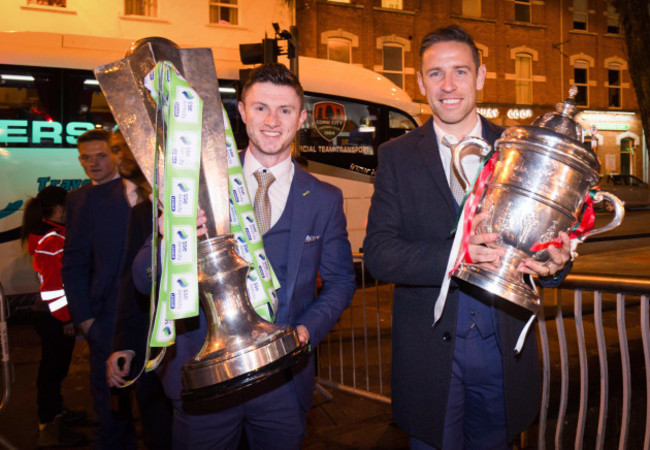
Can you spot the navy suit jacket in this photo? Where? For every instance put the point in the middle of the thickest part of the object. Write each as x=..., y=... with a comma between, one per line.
x=317, y=211
x=94, y=252
x=133, y=307
x=408, y=242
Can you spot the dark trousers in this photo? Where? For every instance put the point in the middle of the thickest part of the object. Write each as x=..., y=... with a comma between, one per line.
x=155, y=412
x=112, y=407
x=274, y=420
x=56, y=354
x=476, y=415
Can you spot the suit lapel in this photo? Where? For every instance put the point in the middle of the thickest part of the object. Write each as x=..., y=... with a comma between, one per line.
x=301, y=214
x=427, y=150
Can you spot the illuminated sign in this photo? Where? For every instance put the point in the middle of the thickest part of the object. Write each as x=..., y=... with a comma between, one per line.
x=613, y=121
x=519, y=114
x=488, y=113
x=41, y=131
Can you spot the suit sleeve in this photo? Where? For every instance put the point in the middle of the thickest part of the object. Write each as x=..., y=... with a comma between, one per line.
x=337, y=275
x=405, y=244
x=77, y=260
x=133, y=306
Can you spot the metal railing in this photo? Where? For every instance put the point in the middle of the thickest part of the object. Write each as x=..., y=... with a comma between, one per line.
x=7, y=372
x=586, y=312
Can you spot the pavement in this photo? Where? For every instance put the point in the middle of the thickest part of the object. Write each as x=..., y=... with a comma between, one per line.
x=346, y=421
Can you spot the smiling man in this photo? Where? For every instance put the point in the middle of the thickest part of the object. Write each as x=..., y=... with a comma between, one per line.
x=304, y=234
x=457, y=384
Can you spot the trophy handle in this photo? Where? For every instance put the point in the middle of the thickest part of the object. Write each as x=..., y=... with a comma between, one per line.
x=619, y=213
x=469, y=143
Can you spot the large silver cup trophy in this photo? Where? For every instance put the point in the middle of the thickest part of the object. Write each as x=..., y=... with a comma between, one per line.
x=537, y=189
x=240, y=347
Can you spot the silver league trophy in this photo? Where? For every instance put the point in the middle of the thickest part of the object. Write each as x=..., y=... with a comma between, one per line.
x=537, y=189
x=240, y=348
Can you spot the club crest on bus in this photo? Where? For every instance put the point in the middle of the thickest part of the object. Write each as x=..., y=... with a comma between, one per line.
x=329, y=119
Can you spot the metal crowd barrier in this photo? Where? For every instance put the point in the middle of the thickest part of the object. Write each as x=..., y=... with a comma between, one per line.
x=7, y=372
x=586, y=312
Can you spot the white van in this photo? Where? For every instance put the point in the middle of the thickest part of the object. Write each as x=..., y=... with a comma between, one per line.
x=48, y=97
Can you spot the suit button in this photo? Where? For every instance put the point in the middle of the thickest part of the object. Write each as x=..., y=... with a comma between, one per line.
x=446, y=337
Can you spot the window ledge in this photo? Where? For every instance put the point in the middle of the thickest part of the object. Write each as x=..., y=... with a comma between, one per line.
x=584, y=32
x=475, y=19
x=344, y=5
x=55, y=9
x=226, y=26
x=138, y=18
x=393, y=10
x=615, y=36
x=527, y=25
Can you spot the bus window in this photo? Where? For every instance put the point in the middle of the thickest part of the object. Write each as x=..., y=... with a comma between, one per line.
x=341, y=133
x=398, y=124
x=49, y=107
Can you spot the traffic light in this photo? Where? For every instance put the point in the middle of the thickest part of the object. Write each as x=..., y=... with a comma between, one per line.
x=265, y=52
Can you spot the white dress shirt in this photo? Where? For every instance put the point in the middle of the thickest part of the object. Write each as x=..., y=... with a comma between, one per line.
x=278, y=190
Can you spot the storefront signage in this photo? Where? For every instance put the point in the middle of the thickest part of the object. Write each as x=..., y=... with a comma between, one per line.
x=519, y=113
x=608, y=120
x=488, y=113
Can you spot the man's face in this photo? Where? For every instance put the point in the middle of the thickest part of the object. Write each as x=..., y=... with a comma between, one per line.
x=96, y=160
x=124, y=159
x=449, y=80
x=272, y=114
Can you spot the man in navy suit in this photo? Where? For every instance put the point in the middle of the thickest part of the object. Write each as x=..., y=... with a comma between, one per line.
x=458, y=384
x=307, y=236
x=96, y=160
x=93, y=259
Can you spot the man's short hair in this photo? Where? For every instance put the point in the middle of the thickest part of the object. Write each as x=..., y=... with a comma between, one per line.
x=452, y=33
x=277, y=74
x=96, y=134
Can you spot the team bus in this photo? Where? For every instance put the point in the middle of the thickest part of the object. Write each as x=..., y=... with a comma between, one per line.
x=49, y=96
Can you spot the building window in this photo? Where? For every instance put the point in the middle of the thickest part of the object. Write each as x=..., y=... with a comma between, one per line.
x=580, y=14
x=59, y=3
x=614, y=85
x=339, y=49
x=391, y=4
x=581, y=80
x=613, y=21
x=472, y=8
x=394, y=63
x=524, y=79
x=140, y=8
x=224, y=11
x=522, y=11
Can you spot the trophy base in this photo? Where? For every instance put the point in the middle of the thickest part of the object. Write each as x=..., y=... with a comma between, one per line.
x=518, y=293
x=212, y=378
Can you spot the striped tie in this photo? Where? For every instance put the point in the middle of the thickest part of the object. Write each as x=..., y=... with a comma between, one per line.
x=262, y=202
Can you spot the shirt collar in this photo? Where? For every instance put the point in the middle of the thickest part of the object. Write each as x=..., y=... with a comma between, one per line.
x=281, y=171
x=476, y=131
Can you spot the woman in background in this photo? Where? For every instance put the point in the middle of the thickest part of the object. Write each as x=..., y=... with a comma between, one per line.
x=44, y=232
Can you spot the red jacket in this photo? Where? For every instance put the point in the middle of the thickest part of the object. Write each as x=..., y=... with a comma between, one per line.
x=47, y=253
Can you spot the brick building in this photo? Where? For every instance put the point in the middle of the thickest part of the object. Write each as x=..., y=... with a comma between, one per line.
x=534, y=51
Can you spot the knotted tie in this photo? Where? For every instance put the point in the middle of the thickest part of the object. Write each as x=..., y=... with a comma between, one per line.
x=454, y=183
x=262, y=202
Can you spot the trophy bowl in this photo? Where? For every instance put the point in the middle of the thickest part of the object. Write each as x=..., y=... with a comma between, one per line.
x=541, y=177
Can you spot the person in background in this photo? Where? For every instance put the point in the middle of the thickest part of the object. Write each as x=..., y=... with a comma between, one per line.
x=43, y=231
x=93, y=260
